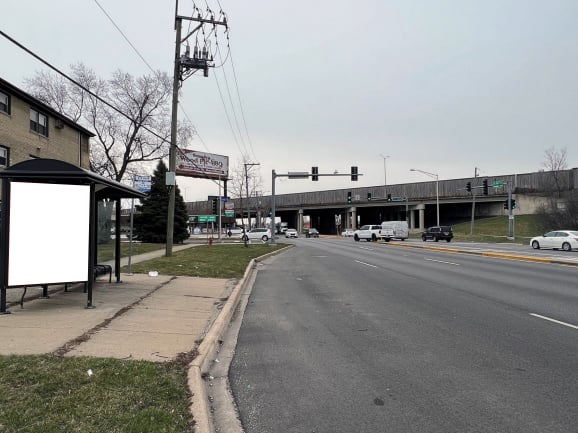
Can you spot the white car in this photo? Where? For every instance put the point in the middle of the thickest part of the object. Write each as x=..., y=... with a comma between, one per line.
x=348, y=232
x=558, y=239
x=263, y=234
x=234, y=231
x=291, y=233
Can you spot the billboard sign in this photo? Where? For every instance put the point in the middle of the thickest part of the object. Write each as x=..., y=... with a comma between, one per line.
x=192, y=163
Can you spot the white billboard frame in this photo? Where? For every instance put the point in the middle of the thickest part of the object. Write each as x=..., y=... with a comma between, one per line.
x=193, y=163
x=48, y=238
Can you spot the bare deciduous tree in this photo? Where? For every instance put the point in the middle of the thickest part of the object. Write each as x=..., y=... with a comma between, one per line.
x=136, y=133
x=240, y=180
x=555, y=161
x=122, y=143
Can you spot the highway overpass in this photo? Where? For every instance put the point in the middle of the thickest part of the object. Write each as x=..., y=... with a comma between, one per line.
x=414, y=202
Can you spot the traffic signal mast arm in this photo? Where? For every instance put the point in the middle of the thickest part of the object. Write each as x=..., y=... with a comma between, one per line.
x=315, y=174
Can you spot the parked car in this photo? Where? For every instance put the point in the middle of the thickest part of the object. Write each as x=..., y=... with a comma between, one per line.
x=348, y=232
x=260, y=233
x=291, y=233
x=558, y=239
x=437, y=233
x=311, y=233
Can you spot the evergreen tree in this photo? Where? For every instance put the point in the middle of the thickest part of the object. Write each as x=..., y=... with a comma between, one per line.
x=150, y=223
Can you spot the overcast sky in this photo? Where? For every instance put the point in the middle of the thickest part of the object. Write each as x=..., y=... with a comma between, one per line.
x=442, y=86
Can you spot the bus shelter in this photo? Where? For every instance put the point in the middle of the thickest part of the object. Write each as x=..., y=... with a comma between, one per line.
x=48, y=228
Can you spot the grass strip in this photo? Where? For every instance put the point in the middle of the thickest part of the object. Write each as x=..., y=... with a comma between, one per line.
x=50, y=394
x=209, y=261
x=106, y=251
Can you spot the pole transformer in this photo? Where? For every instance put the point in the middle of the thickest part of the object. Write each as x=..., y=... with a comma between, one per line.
x=199, y=61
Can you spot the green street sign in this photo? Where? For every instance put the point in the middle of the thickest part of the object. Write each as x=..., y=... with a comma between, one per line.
x=229, y=213
x=498, y=184
x=207, y=218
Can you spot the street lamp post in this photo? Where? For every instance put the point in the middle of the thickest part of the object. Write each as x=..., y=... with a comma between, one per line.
x=384, y=169
x=436, y=177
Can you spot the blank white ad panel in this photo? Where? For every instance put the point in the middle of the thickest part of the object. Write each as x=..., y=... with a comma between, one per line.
x=48, y=233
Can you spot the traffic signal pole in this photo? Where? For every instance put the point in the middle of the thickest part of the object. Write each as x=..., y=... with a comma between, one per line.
x=301, y=175
x=510, y=213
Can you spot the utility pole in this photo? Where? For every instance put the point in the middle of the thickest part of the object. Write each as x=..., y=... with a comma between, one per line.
x=199, y=61
x=248, y=164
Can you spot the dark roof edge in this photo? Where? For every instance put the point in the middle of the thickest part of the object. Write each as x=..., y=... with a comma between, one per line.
x=53, y=169
x=34, y=101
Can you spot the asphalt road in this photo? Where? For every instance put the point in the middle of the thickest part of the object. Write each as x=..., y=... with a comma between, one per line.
x=341, y=336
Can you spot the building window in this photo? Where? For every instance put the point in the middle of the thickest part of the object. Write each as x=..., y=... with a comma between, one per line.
x=39, y=122
x=3, y=157
x=4, y=103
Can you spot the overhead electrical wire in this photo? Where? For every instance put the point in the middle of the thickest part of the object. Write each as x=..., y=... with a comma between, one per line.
x=124, y=36
x=230, y=53
x=196, y=132
x=72, y=80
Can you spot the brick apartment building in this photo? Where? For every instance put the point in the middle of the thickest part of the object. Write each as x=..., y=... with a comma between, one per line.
x=31, y=129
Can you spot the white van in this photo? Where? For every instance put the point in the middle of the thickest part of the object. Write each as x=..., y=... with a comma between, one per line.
x=399, y=228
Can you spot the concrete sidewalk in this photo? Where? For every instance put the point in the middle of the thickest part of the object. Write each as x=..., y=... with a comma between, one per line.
x=143, y=317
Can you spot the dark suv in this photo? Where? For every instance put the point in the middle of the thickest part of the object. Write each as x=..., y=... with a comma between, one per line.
x=311, y=233
x=438, y=232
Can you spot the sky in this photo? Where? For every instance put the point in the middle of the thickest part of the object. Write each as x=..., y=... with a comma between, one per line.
x=443, y=86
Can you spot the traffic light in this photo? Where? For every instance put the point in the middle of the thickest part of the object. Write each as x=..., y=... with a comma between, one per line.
x=388, y=197
x=353, y=173
x=485, y=186
x=349, y=197
x=469, y=187
x=314, y=173
x=368, y=196
x=512, y=203
x=214, y=206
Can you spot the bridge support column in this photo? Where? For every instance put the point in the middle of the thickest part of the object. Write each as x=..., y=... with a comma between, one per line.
x=300, y=221
x=412, y=219
x=352, y=218
x=421, y=209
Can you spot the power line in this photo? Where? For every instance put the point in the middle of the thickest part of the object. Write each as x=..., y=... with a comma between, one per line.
x=244, y=153
x=154, y=72
x=232, y=105
x=72, y=80
x=123, y=35
x=108, y=104
x=240, y=101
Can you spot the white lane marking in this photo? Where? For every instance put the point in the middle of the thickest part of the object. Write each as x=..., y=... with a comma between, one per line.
x=441, y=261
x=366, y=264
x=365, y=248
x=554, y=320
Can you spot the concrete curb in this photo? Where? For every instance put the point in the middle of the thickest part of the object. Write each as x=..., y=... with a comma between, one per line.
x=200, y=405
x=491, y=254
